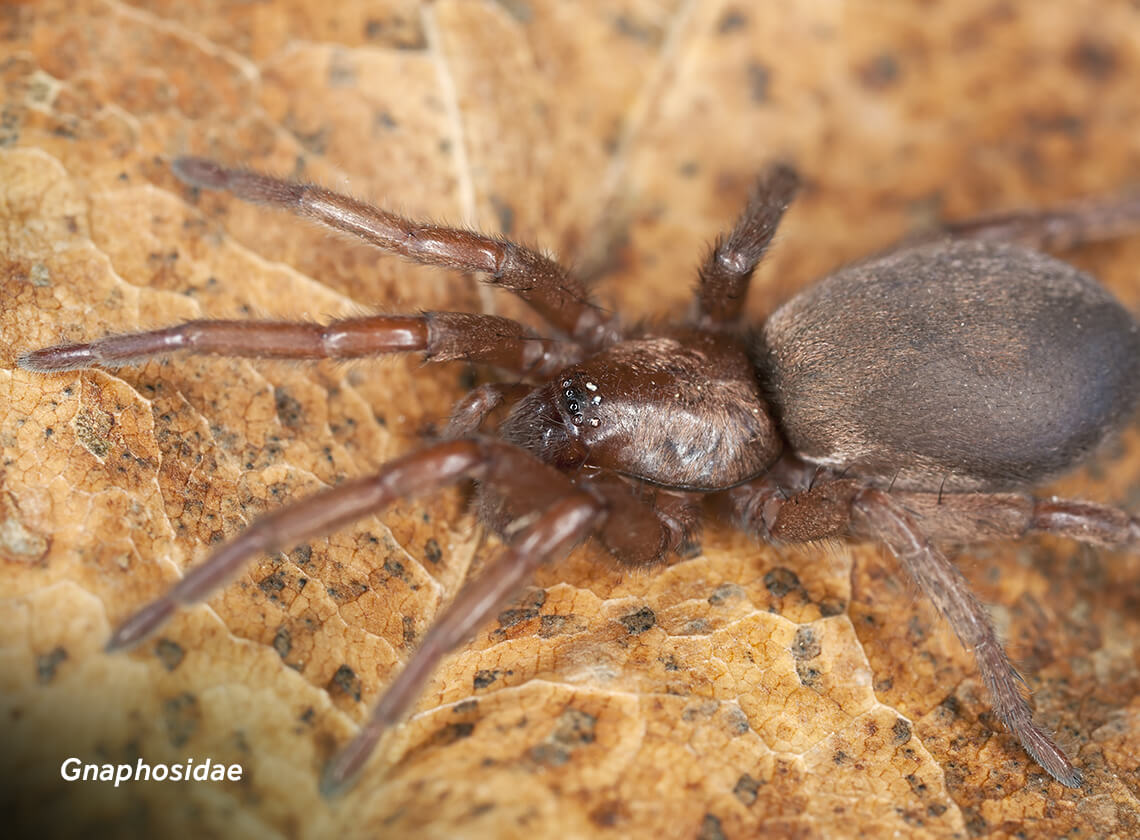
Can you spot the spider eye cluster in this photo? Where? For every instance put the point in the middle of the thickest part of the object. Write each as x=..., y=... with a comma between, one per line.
x=578, y=401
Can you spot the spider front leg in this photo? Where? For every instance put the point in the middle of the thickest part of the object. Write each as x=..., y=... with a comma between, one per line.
x=567, y=516
x=540, y=281
x=441, y=336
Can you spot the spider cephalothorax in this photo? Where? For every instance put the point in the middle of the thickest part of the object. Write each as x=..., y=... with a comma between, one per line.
x=891, y=401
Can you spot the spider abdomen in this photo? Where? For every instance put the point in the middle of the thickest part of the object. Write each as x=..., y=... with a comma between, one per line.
x=961, y=364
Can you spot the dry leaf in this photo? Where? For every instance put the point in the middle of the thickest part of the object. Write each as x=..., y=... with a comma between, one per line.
x=742, y=691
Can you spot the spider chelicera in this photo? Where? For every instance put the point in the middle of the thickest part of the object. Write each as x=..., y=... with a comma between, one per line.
x=905, y=399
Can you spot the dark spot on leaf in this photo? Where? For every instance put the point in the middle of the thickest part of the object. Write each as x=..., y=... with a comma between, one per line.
x=608, y=814
x=273, y=583
x=746, y=788
x=838, y=757
x=900, y=732
x=505, y=214
x=731, y=21
x=485, y=676
x=646, y=33
x=509, y=618
x=638, y=622
x=696, y=627
x=345, y=682
x=341, y=72
x=289, y=410
x=574, y=729
x=92, y=426
x=518, y=9
x=976, y=825
x=409, y=625
x=451, y=732
x=917, y=785
x=780, y=581
x=759, y=77
x=737, y=721
x=383, y=119
x=808, y=675
x=806, y=644
x=182, y=716
x=283, y=642
x=556, y=625
x=831, y=606
x=710, y=829
x=47, y=663
x=432, y=550
x=169, y=653
x=1094, y=59
x=880, y=72
x=724, y=592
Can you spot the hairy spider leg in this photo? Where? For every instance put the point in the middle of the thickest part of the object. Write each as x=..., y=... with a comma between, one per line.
x=941, y=581
x=570, y=515
x=546, y=286
x=442, y=336
x=554, y=533
x=963, y=518
x=908, y=523
x=727, y=271
x=1055, y=229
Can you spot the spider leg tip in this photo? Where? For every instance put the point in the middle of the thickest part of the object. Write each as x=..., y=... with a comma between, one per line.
x=56, y=359
x=334, y=780
x=199, y=171
x=140, y=625
x=1074, y=778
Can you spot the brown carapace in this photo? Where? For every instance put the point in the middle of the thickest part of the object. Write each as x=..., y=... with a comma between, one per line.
x=906, y=399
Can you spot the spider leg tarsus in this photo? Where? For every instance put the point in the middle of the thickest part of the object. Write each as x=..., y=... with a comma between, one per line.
x=141, y=624
x=58, y=358
x=201, y=172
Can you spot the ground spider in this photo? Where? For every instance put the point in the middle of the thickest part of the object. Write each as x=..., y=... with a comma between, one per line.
x=903, y=399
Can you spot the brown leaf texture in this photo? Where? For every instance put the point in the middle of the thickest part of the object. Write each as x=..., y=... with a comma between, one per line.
x=738, y=692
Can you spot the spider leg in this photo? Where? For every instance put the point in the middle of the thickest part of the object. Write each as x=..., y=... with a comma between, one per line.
x=540, y=281
x=1055, y=229
x=555, y=532
x=470, y=412
x=880, y=516
x=644, y=524
x=726, y=273
x=442, y=336
x=494, y=462
x=977, y=517
x=569, y=516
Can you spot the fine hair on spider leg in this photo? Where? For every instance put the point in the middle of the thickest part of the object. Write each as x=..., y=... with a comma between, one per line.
x=911, y=398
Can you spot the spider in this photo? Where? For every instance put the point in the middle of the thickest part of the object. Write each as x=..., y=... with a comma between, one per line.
x=908, y=399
